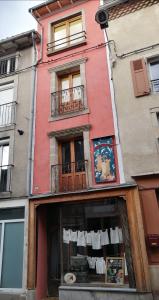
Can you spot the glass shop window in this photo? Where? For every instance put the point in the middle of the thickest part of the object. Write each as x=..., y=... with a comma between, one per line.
x=96, y=244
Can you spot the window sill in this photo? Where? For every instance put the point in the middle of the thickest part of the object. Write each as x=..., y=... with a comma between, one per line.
x=53, y=52
x=5, y=195
x=97, y=288
x=7, y=127
x=69, y=115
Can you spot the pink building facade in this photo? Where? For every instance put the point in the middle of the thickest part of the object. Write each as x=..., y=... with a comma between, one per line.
x=89, y=59
x=81, y=215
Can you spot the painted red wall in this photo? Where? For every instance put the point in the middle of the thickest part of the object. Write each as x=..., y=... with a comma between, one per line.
x=97, y=88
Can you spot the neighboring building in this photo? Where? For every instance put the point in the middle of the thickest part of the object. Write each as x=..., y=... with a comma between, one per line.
x=78, y=182
x=133, y=30
x=17, y=57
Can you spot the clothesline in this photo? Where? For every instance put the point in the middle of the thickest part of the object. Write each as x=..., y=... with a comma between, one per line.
x=92, y=238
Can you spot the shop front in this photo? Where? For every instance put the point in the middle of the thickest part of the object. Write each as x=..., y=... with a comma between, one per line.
x=88, y=245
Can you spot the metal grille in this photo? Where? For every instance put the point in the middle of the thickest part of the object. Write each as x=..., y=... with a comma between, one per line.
x=68, y=177
x=155, y=85
x=67, y=101
x=67, y=41
x=7, y=114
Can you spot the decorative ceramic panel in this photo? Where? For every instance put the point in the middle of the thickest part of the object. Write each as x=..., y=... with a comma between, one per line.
x=104, y=161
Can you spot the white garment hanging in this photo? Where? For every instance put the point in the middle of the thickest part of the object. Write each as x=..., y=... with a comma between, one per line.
x=66, y=236
x=120, y=235
x=88, y=237
x=96, y=244
x=73, y=236
x=125, y=266
x=104, y=237
x=91, y=262
x=100, y=265
x=114, y=236
x=81, y=241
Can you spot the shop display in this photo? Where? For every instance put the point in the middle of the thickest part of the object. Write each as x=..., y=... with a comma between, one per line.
x=95, y=244
x=115, y=270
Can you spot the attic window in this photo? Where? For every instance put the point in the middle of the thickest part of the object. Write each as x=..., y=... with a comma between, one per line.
x=7, y=65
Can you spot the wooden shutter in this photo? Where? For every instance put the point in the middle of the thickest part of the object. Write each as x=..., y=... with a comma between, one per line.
x=140, y=77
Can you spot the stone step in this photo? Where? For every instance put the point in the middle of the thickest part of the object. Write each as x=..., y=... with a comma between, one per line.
x=51, y=298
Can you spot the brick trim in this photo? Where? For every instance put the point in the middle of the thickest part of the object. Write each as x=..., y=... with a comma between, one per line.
x=129, y=7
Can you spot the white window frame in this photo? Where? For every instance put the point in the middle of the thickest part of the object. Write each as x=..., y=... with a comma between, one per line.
x=58, y=21
x=153, y=60
x=10, y=109
x=79, y=64
x=4, y=142
x=8, y=64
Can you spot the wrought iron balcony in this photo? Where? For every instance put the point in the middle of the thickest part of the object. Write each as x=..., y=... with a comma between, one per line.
x=5, y=178
x=7, y=113
x=155, y=85
x=66, y=42
x=66, y=101
x=69, y=176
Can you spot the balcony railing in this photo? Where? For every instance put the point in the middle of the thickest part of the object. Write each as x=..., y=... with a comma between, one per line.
x=65, y=42
x=69, y=176
x=66, y=101
x=155, y=85
x=5, y=178
x=7, y=113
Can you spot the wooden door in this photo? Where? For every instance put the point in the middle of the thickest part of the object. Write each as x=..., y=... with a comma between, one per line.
x=72, y=165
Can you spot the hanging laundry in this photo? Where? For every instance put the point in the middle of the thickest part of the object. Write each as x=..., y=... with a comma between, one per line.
x=120, y=235
x=91, y=262
x=125, y=266
x=100, y=265
x=88, y=237
x=73, y=236
x=104, y=237
x=96, y=243
x=114, y=236
x=66, y=236
x=81, y=241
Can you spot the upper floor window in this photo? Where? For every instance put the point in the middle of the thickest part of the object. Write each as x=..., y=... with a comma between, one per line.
x=70, y=95
x=145, y=76
x=154, y=74
x=4, y=166
x=7, y=65
x=7, y=106
x=66, y=34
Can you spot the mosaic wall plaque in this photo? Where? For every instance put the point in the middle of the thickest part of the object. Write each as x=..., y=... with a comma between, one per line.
x=104, y=161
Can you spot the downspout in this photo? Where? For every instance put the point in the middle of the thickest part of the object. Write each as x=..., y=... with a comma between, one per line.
x=42, y=34
x=32, y=120
x=33, y=105
x=114, y=109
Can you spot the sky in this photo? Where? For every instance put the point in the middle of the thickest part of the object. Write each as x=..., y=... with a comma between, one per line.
x=15, y=18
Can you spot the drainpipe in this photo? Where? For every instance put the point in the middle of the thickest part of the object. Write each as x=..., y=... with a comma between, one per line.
x=42, y=34
x=32, y=120
x=114, y=109
x=33, y=105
